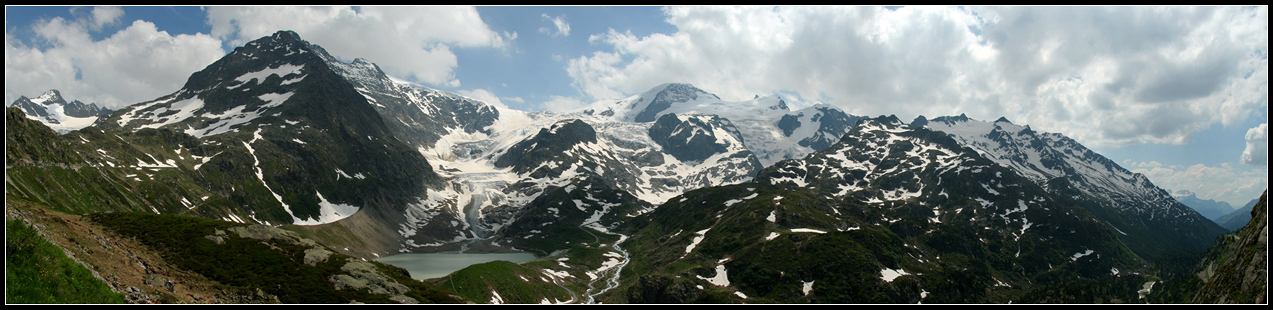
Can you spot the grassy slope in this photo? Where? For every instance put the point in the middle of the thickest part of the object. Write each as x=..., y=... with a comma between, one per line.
x=36, y=271
x=274, y=267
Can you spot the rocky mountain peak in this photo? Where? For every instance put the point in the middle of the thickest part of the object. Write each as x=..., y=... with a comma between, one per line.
x=52, y=109
x=52, y=96
x=665, y=96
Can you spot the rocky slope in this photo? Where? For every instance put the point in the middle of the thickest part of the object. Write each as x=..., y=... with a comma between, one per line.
x=889, y=214
x=1146, y=217
x=203, y=261
x=1235, y=271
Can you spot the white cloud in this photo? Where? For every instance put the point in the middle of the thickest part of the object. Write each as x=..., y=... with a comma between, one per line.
x=135, y=64
x=484, y=96
x=1257, y=146
x=1102, y=75
x=562, y=28
x=96, y=17
x=1235, y=184
x=1149, y=164
x=105, y=15
x=562, y=104
x=413, y=42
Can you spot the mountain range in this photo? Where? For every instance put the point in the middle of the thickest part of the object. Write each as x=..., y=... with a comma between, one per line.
x=52, y=110
x=1238, y=218
x=671, y=195
x=1210, y=208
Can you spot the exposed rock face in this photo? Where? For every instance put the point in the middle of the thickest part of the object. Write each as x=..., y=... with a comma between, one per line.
x=1236, y=269
x=691, y=139
x=315, y=255
x=662, y=290
x=359, y=275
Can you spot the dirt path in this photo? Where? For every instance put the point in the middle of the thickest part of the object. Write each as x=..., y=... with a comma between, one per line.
x=129, y=268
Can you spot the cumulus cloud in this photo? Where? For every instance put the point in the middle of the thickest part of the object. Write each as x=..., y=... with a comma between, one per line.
x=135, y=64
x=1257, y=146
x=1106, y=76
x=410, y=42
x=562, y=104
x=562, y=28
x=484, y=96
x=1234, y=184
x=100, y=16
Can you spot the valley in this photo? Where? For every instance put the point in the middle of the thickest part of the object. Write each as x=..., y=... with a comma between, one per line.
x=301, y=172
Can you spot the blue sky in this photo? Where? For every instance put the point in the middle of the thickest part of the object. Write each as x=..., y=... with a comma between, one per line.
x=1179, y=94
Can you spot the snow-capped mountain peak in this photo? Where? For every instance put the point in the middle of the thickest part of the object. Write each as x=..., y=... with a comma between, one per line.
x=649, y=105
x=1064, y=166
x=677, y=98
x=240, y=88
x=53, y=110
x=50, y=97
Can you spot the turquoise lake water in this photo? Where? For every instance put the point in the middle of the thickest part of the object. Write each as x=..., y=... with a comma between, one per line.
x=434, y=265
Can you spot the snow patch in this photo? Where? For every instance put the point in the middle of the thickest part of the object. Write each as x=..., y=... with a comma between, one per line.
x=1078, y=255
x=889, y=274
x=772, y=236
x=721, y=278
x=808, y=230
x=698, y=237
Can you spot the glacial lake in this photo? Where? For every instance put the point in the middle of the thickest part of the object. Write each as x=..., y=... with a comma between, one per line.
x=435, y=265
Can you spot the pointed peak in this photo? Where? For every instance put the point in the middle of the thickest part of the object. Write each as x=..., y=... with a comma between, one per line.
x=919, y=121
x=1003, y=119
x=1027, y=130
x=52, y=96
x=285, y=41
x=782, y=105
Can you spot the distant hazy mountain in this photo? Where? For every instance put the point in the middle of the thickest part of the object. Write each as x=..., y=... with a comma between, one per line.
x=1237, y=218
x=1210, y=208
x=52, y=110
